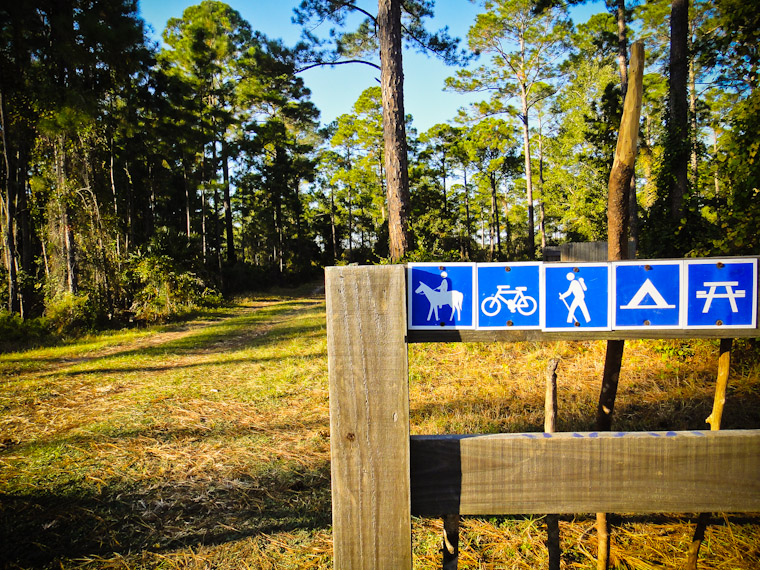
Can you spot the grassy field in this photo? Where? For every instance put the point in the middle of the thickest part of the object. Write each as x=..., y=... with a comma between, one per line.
x=205, y=444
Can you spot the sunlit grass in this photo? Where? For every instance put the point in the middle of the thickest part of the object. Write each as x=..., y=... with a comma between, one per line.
x=205, y=443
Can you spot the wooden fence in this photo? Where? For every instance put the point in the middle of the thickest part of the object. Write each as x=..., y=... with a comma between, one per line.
x=381, y=476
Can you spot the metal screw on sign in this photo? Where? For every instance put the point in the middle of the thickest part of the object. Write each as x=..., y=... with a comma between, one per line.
x=507, y=269
x=576, y=270
x=647, y=323
x=719, y=322
x=442, y=268
x=577, y=324
x=647, y=268
x=510, y=323
x=720, y=265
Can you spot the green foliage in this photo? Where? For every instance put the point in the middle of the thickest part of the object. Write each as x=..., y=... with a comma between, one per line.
x=71, y=315
x=167, y=279
x=165, y=290
x=16, y=333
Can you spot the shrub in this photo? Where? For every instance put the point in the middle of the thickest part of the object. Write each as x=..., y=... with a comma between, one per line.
x=69, y=315
x=16, y=333
x=163, y=288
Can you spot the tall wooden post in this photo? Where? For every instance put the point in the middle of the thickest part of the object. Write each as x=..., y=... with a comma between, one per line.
x=550, y=426
x=369, y=417
x=724, y=367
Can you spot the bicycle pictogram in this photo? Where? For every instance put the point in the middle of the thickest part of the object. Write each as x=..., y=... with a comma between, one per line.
x=514, y=299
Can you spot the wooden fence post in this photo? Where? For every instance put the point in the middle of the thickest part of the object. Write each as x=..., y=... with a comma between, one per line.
x=550, y=426
x=369, y=417
x=724, y=367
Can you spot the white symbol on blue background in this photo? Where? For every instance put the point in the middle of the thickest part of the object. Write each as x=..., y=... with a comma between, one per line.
x=441, y=296
x=712, y=293
x=576, y=297
x=648, y=295
x=722, y=293
x=507, y=295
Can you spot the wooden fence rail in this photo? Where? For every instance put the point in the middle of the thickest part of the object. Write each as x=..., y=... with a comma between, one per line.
x=380, y=475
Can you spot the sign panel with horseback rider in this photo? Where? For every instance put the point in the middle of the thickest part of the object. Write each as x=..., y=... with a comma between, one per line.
x=441, y=295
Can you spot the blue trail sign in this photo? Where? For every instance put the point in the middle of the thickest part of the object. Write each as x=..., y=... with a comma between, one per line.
x=567, y=297
x=441, y=295
x=721, y=292
x=508, y=296
x=647, y=294
x=576, y=296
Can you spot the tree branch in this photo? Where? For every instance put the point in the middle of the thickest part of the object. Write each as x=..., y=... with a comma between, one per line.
x=331, y=63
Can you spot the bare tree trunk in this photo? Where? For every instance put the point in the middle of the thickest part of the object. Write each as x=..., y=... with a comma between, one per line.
x=332, y=225
x=693, y=140
x=231, y=257
x=468, y=220
x=495, y=211
x=186, y=181
x=528, y=175
x=541, y=197
x=617, y=236
x=394, y=128
x=11, y=191
x=679, y=120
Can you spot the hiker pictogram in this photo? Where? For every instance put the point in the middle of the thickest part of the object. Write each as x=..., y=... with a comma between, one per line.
x=576, y=297
x=577, y=289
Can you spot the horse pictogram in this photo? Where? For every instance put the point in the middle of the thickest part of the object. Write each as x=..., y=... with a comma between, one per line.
x=441, y=296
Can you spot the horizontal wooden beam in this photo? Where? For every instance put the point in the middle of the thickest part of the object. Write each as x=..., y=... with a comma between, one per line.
x=698, y=471
x=470, y=335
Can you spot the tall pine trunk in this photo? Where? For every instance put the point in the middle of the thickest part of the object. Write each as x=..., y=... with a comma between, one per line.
x=10, y=192
x=394, y=128
x=231, y=257
x=678, y=127
x=528, y=175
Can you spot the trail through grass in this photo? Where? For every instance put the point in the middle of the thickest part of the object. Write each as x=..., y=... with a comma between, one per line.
x=206, y=444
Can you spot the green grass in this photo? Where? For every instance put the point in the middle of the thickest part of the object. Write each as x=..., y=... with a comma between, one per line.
x=205, y=443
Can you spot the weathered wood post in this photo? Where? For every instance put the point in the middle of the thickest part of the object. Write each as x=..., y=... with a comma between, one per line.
x=369, y=417
x=550, y=426
x=724, y=367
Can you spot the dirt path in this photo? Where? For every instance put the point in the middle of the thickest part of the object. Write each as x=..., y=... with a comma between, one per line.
x=58, y=365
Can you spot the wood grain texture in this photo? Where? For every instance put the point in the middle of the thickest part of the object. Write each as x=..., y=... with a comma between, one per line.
x=415, y=336
x=369, y=417
x=581, y=473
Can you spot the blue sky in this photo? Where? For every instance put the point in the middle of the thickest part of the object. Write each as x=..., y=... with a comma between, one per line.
x=334, y=90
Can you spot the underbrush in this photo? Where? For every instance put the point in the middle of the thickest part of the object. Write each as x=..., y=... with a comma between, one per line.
x=205, y=444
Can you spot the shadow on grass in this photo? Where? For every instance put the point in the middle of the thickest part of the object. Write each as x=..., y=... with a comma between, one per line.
x=42, y=530
x=238, y=333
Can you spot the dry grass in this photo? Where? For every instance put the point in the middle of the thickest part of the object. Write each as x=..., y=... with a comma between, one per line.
x=206, y=444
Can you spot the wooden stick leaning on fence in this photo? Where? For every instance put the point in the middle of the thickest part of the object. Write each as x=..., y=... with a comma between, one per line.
x=550, y=425
x=450, y=542
x=724, y=365
x=617, y=228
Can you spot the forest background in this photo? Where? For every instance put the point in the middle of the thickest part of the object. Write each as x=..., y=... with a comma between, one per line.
x=141, y=180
